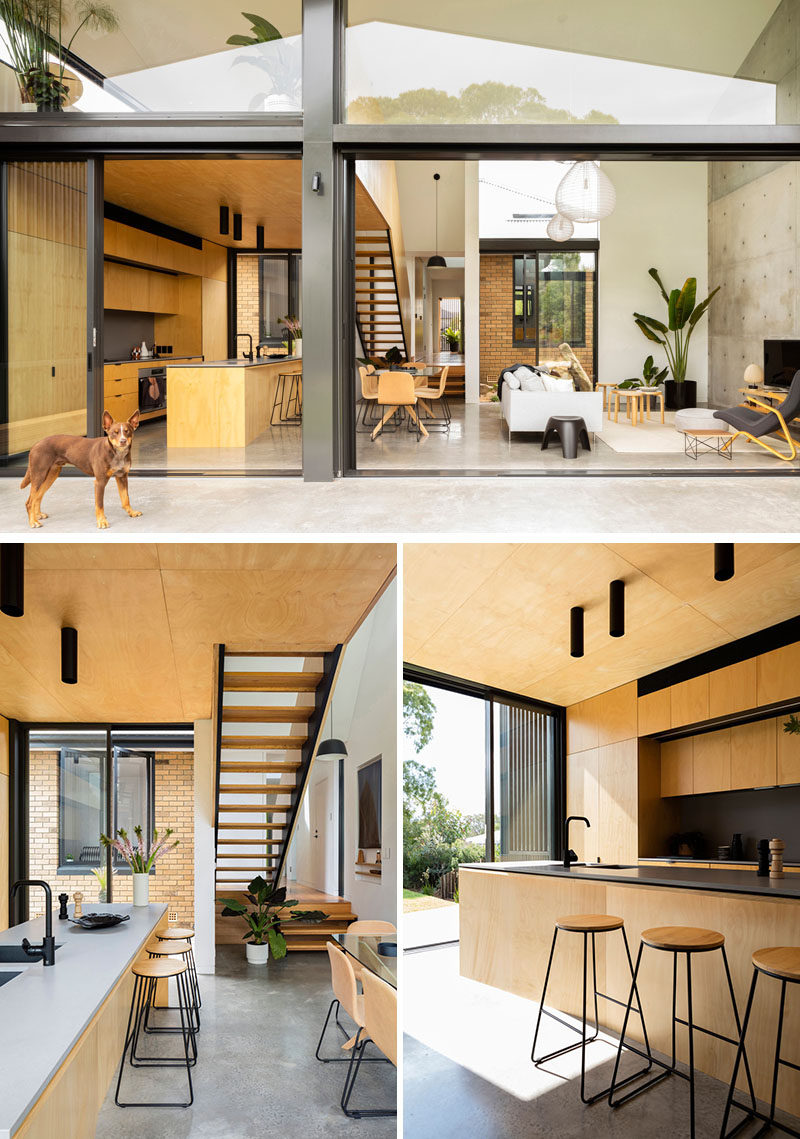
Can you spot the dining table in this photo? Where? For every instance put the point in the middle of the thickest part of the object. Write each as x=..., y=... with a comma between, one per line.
x=367, y=951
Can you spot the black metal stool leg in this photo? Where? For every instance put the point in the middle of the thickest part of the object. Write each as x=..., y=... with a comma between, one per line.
x=541, y=1003
x=776, y=1067
x=143, y=991
x=739, y=1053
x=739, y=1028
x=615, y=1085
x=691, y=1042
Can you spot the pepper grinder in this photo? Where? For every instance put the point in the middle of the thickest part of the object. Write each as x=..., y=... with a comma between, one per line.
x=78, y=911
x=776, y=846
x=62, y=913
x=763, y=858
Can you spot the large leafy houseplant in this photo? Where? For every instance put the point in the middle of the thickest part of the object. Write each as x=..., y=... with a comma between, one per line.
x=281, y=63
x=650, y=378
x=34, y=39
x=268, y=909
x=683, y=316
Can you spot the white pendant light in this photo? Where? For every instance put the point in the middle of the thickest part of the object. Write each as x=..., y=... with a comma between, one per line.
x=585, y=193
x=560, y=228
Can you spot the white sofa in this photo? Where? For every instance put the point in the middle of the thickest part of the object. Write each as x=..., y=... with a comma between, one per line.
x=530, y=411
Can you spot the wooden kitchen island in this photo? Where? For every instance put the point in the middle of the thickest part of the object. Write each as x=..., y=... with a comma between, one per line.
x=222, y=403
x=507, y=916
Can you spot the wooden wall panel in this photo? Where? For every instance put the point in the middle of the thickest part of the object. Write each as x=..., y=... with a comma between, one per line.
x=616, y=714
x=583, y=799
x=658, y=817
x=788, y=748
x=618, y=802
x=582, y=726
x=712, y=762
x=4, y=823
x=677, y=767
x=754, y=755
x=732, y=689
x=689, y=701
x=654, y=712
x=778, y=675
x=215, y=320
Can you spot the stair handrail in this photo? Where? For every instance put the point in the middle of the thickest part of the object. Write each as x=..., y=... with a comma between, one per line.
x=218, y=706
x=322, y=699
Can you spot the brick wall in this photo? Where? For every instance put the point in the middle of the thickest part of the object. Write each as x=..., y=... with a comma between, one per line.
x=497, y=346
x=173, y=880
x=247, y=297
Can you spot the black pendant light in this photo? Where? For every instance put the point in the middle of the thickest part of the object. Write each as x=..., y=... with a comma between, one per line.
x=723, y=561
x=237, y=227
x=576, y=631
x=69, y=655
x=437, y=262
x=12, y=578
x=616, y=609
x=224, y=221
x=259, y=237
x=333, y=748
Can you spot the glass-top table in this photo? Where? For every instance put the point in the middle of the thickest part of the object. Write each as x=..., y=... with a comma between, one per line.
x=365, y=951
x=428, y=370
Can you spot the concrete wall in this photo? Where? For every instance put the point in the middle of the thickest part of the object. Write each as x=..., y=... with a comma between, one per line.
x=753, y=253
x=661, y=220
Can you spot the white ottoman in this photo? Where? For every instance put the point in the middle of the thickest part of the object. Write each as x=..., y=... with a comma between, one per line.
x=698, y=419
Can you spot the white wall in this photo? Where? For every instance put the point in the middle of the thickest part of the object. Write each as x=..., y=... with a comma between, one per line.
x=204, y=859
x=661, y=220
x=300, y=864
x=472, y=284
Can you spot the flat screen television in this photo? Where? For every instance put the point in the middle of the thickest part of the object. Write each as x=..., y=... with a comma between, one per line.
x=781, y=361
x=369, y=804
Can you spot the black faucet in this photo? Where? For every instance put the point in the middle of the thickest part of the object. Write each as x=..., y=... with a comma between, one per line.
x=247, y=355
x=570, y=855
x=47, y=950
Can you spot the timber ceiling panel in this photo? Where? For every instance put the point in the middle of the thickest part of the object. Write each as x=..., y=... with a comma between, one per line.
x=148, y=617
x=187, y=193
x=500, y=616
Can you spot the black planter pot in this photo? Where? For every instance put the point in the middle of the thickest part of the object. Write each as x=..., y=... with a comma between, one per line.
x=678, y=396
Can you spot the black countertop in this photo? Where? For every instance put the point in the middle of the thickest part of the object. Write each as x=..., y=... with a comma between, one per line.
x=678, y=877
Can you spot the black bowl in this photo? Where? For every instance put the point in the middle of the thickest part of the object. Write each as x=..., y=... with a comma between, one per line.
x=100, y=921
x=387, y=949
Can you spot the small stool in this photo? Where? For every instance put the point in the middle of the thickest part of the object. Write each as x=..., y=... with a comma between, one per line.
x=782, y=963
x=677, y=939
x=170, y=948
x=146, y=974
x=294, y=397
x=569, y=429
x=587, y=924
x=183, y=933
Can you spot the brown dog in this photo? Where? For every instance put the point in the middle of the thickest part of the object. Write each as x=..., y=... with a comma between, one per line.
x=105, y=458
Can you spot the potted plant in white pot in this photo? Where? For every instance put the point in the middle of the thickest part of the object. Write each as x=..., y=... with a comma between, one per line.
x=142, y=857
x=268, y=909
x=650, y=379
x=683, y=316
x=294, y=335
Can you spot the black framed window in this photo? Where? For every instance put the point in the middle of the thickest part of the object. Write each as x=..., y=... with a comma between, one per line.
x=525, y=298
x=552, y=294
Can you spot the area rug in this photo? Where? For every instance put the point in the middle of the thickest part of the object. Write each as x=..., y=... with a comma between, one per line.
x=649, y=436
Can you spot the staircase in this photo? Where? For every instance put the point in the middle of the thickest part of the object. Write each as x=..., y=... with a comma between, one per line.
x=269, y=711
x=378, y=315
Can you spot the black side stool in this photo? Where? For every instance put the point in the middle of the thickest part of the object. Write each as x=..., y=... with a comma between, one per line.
x=587, y=924
x=569, y=429
x=182, y=949
x=146, y=975
x=782, y=963
x=677, y=939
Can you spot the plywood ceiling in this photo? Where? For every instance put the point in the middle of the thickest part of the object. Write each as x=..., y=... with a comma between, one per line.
x=148, y=617
x=498, y=614
x=187, y=193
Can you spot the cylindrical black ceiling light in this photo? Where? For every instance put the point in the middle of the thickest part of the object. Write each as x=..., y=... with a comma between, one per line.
x=616, y=608
x=237, y=227
x=69, y=655
x=224, y=221
x=259, y=237
x=576, y=631
x=437, y=261
x=12, y=578
x=723, y=561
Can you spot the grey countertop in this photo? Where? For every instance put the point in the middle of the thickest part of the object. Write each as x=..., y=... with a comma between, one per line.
x=239, y=363
x=45, y=1010
x=678, y=877
x=150, y=361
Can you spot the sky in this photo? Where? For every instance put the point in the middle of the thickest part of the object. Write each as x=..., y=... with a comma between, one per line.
x=457, y=749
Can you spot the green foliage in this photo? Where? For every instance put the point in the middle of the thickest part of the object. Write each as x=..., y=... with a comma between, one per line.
x=792, y=726
x=422, y=865
x=453, y=338
x=269, y=909
x=651, y=377
x=489, y=102
x=682, y=311
x=262, y=32
x=418, y=713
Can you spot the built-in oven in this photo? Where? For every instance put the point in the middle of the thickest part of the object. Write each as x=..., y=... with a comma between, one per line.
x=153, y=389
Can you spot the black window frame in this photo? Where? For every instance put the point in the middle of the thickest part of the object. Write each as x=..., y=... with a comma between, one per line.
x=534, y=253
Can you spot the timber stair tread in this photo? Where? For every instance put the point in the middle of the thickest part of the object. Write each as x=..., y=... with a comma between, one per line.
x=255, y=789
x=271, y=681
x=254, y=768
x=253, y=714
x=252, y=826
x=265, y=743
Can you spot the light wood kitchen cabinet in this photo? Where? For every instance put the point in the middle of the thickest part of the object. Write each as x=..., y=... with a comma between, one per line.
x=732, y=689
x=689, y=701
x=788, y=754
x=582, y=799
x=582, y=731
x=654, y=712
x=753, y=755
x=677, y=767
x=617, y=802
x=778, y=675
x=712, y=762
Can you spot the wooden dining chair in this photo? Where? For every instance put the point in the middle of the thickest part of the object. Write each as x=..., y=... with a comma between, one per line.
x=369, y=395
x=346, y=996
x=396, y=390
x=436, y=394
x=379, y=1029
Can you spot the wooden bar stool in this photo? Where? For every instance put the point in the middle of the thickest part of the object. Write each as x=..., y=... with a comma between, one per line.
x=146, y=975
x=183, y=933
x=170, y=948
x=588, y=924
x=782, y=963
x=689, y=940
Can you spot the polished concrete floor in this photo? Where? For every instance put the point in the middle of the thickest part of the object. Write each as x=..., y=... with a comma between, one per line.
x=276, y=449
x=256, y=1074
x=532, y=508
x=467, y=1070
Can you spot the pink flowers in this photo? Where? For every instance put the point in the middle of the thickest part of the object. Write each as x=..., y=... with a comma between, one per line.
x=292, y=326
x=144, y=855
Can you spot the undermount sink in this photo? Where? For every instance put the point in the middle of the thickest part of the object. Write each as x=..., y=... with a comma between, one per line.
x=15, y=953
x=9, y=975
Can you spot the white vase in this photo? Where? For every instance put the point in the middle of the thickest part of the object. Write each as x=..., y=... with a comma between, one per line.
x=141, y=889
x=256, y=954
x=298, y=349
